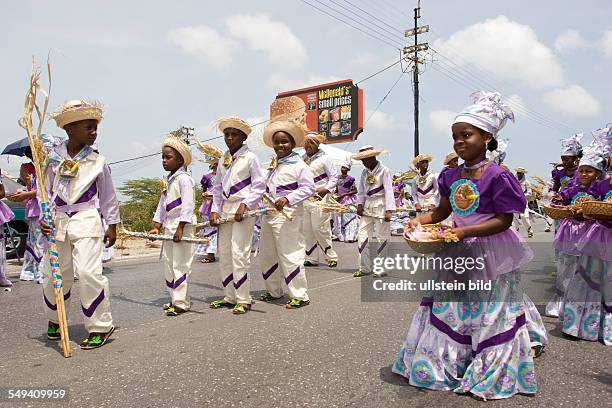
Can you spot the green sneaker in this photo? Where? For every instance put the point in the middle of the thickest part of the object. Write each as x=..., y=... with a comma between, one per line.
x=332, y=264
x=53, y=331
x=96, y=340
x=241, y=309
x=267, y=297
x=297, y=303
x=173, y=311
x=218, y=304
x=358, y=274
x=167, y=306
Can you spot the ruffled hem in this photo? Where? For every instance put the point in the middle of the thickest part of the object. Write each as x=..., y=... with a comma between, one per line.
x=431, y=359
x=569, y=233
x=5, y=213
x=597, y=242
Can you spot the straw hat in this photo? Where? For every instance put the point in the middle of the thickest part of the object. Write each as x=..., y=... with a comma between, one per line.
x=292, y=127
x=520, y=170
x=450, y=157
x=420, y=158
x=367, y=151
x=235, y=123
x=76, y=110
x=178, y=144
x=314, y=137
x=288, y=108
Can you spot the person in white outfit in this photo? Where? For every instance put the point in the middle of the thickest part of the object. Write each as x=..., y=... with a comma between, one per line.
x=175, y=215
x=317, y=223
x=526, y=217
x=375, y=205
x=80, y=189
x=425, y=185
x=289, y=183
x=238, y=188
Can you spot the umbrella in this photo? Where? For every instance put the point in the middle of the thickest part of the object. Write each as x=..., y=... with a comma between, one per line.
x=17, y=148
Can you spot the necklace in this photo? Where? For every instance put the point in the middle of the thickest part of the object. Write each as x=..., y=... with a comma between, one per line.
x=471, y=170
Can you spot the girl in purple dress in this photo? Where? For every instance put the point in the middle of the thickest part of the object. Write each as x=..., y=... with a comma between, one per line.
x=346, y=225
x=587, y=301
x=5, y=216
x=467, y=341
x=205, y=253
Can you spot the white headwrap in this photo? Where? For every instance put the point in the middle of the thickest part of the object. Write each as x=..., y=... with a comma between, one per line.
x=571, y=146
x=487, y=113
x=597, y=153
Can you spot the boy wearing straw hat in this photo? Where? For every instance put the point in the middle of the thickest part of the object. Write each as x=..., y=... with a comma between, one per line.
x=451, y=160
x=526, y=216
x=238, y=188
x=289, y=182
x=375, y=204
x=80, y=189
x=175, y=214
x=317, y=224
x=425, y=185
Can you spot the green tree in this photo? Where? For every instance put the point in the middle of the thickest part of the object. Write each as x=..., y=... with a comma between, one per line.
x=143, y=195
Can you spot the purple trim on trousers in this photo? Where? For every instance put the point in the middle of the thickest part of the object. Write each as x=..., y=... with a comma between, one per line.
x=376, y=190
x=363, y=245
x=287, y=187
x=292, y=275
x=353, y=218
x=228, y=280
x=311, y=250
x=320, y=177
x=384, y=244
x=210, y=234
x=89, y=311
x=52, y=306
x=270, y=271
x=173, y=204
x=87, y=196
x=31, y=251
x=238, y=186
x=176, y=283
x=241, y=281
x=427, y=190
x=326, y=249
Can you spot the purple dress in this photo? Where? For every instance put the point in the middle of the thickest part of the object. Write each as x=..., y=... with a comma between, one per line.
x=398, y=192
x=560, y=176
x=346, y=225
x=345, y=185
x=587, y=302
x=477, y=342
x=202, y=250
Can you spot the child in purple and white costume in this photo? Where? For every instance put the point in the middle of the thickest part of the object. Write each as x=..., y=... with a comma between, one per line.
x=206, y=252
x=346, y=225
x=5, y=216
x=477, y=344
x=587, y=302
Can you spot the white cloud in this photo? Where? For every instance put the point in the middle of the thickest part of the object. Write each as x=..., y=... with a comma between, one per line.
x=605, y=44
x=274, y=38
x=507, y=49
x=570, y=40
x=516, y=102
x=281, y=83
x=379, y=120
x=441, y=120
x=573, y=100
x=203, y=41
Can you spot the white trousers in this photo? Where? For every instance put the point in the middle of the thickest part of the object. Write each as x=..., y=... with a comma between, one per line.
x=178, y=257
x=373, y=235
x=282, y=255
x=83, y=256
x=234, y=249
x=317, y=233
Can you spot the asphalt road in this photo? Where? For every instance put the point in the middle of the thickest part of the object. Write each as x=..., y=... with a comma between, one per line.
x=337, y=352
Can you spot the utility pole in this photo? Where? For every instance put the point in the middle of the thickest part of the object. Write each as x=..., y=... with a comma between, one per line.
x=412, y=53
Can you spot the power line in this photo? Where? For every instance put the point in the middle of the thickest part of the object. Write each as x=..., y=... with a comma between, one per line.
x=374, y=17
x=364, y=19
x=350, y=25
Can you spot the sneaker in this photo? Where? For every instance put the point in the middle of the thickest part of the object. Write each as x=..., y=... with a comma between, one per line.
x=167, y=306
x=5, y=283
x=53, y=331
x=297, y=303
x=529, y=234
x=536, y=351
x=310, y=263
x=96, y=340
x=220, y=303
x=358, y=274
x=241, y=308
x=332, y=263
x=173, y=311
x=267, y=297
x=547, y=229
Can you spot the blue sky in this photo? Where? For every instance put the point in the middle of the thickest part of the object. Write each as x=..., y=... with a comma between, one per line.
x=157, y=65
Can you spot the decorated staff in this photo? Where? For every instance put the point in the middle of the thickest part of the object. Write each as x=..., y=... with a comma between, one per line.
x=38, y=159
x=249, y=214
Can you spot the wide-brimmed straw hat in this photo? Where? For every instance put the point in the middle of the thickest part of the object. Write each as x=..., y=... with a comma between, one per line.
x=450, y=157
x=235, y=123
x=367, y=151
x=520, y=170
x=180, y=145
x=77, y=110
x=420, y=158
x=314, y=137
x=291, y=127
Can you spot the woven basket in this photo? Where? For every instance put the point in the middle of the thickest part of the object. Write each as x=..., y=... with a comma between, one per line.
x=558, y=213
x=597, y=209
x=428, y=247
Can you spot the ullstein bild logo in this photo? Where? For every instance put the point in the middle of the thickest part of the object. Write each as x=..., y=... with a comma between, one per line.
x=405, y=262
